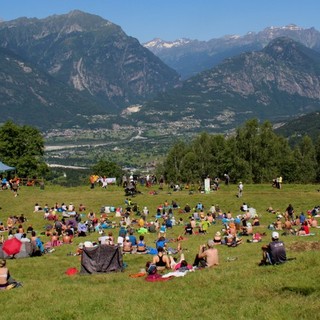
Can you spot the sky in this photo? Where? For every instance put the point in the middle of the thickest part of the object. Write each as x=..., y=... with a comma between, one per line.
x=175, y=19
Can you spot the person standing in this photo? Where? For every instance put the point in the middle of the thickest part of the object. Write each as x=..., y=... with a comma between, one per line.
x=92, y=181
x=104, y=182
x=280, y=182
x=226, y=179
x=240, y=189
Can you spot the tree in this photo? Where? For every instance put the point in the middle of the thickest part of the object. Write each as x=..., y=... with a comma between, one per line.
x=305, y=157
x=247, y=144
x=202, y=149
x=317, y=150
x=254, y=154
x=107, y=168
x=189, y=168
x=22, y=147
x=173, y=163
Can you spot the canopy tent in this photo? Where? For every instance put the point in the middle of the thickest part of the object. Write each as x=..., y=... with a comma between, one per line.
x=4, y=167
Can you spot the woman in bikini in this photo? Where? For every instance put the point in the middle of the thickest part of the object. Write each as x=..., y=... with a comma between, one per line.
x=141, y=246
x=5, y=278
x=161, y=260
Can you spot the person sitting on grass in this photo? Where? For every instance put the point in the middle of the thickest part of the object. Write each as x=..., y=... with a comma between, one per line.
x=2, y=227
x=141, y=245
x=66, y=239
x=6, y=281
x=217, y=238
x=274, y=252
x=304, y=230
x=161, y=242
x=163, y=230
x=287, y=227
x=188, y=229
x=313, y=222
x=152, y=227
x=55, y=240
x=207, y=256
x=127, y=245
x=37, y=243
x=278, y=224
x=161, y=260
x=235, y=241
x=132, y=238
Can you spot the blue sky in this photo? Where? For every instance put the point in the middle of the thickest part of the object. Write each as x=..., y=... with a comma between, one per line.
x=173, y=19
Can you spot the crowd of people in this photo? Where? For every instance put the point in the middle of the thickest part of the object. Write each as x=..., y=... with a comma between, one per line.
x=126, y=226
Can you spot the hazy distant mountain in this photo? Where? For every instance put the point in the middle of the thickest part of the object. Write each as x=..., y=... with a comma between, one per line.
x=91, y=55
x=280, y=81
x=31, y=96
x=189, y=57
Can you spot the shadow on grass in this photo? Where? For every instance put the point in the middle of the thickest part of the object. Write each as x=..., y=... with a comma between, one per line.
x=302, y=291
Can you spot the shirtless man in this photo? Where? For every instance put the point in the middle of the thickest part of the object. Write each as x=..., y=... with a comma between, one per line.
x=207, y=256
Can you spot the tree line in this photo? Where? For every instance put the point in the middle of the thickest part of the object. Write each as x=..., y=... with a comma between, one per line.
x=254, y=153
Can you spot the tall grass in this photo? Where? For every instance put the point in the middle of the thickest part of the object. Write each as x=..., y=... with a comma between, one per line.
x=237, y=289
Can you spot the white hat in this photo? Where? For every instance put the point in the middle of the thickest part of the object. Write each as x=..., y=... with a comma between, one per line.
x=275, y=235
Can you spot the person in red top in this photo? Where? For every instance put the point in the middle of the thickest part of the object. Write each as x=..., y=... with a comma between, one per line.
x=305, y=230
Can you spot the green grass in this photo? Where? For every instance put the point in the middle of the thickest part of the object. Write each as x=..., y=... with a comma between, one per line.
x=236, y=289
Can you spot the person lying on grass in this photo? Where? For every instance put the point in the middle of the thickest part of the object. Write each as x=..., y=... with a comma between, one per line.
x=180, y=265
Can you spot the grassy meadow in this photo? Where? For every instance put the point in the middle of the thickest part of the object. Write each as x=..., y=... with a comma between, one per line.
x=237, y=289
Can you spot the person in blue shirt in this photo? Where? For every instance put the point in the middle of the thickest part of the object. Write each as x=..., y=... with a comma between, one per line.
x=161, y=242
x=37, y=242
x=132, y=238
x=199, y=206
x=302, y=218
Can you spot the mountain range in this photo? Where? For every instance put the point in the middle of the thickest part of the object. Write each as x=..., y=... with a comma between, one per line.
x=189, y=57
x=90, y=55
x=31, y=96
x=79, y=70
x=275, y=83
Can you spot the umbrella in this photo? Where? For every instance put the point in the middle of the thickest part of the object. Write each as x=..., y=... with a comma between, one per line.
x=11, y=246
